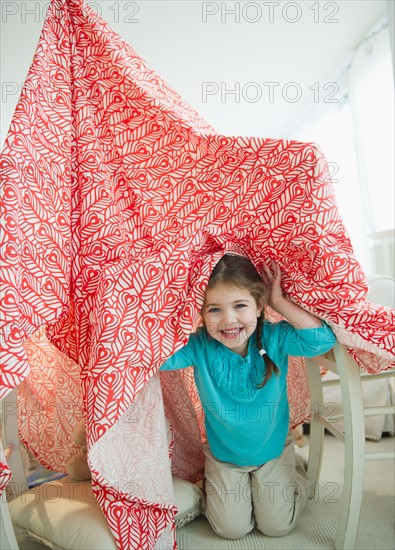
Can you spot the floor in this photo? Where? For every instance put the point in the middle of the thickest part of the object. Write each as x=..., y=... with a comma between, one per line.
x=378, y=474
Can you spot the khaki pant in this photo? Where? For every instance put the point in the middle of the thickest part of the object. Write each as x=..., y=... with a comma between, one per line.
x=270, y=497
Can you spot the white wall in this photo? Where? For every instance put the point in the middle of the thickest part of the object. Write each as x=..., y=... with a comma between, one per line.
x=191, y=43
x=391, y=23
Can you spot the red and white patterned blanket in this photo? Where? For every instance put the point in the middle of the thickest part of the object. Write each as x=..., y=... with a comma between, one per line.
x=118, y=200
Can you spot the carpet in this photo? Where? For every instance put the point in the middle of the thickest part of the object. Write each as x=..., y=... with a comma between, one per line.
x=316, y=528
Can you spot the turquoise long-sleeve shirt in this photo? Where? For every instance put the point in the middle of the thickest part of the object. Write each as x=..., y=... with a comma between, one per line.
x=245, y=425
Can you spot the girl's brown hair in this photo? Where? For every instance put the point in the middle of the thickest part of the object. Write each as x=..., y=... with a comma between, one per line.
x=238, y=271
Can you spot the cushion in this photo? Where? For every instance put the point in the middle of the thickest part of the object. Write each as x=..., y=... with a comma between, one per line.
x=46, y=512
x=189, y=499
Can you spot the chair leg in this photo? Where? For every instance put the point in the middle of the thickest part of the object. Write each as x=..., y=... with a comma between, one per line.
x=7, y=534
x=354, y=428
x=317, y=432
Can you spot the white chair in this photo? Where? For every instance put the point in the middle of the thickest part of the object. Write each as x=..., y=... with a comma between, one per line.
x=350, y=378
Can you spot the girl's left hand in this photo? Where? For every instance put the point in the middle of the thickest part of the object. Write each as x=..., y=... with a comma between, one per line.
x=271, y=278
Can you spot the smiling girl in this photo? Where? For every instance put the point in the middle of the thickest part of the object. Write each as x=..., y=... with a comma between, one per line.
x=240, y=360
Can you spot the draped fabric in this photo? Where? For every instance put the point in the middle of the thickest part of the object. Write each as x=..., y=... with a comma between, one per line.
x=118, y=200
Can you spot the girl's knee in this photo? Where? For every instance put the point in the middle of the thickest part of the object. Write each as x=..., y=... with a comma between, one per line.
x=280, y=520
x=275, y=530
x=228, y=530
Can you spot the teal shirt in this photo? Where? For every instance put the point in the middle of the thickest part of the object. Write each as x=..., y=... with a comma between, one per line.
x=245, y=425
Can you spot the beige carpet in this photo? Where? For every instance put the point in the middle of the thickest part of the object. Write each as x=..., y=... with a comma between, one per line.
x=316, y=529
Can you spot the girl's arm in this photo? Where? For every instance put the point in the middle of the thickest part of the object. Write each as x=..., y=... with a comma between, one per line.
x=186, y=356
x=295, y=315
x=179, y=360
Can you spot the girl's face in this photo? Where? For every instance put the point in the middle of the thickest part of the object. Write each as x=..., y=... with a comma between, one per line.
x=230, y=316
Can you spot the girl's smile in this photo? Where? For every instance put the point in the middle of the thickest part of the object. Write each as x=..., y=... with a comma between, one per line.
x=230, y=316
x=232, y=333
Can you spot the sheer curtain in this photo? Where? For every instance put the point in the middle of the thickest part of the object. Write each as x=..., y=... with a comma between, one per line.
x=371, y=97
x=330, y=126
x=356, y=133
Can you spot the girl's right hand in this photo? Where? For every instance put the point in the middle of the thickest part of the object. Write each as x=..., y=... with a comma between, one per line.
x=271, y=278
x=294, y=314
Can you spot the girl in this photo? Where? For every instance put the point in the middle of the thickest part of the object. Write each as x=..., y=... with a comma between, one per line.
x=240, y=365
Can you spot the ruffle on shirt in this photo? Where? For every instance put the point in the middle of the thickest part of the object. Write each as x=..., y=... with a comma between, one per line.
x=238, y=376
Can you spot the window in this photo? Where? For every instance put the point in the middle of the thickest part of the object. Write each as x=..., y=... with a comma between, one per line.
x=356, y=135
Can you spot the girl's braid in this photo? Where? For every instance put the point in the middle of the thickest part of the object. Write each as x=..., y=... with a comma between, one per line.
x=270, y=366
